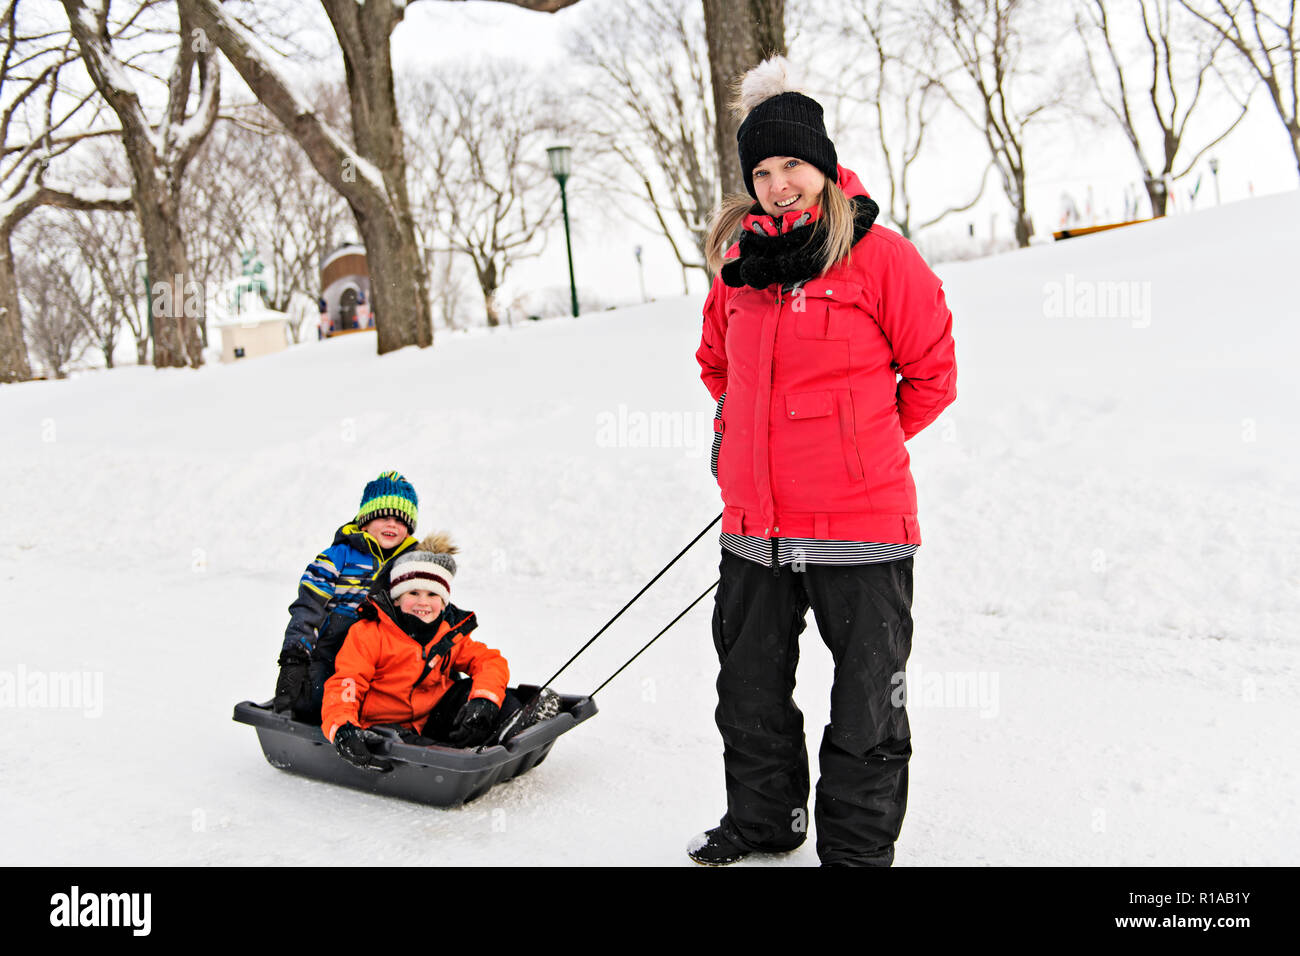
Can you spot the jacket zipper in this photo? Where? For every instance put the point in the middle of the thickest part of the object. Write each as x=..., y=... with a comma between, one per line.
x=780, y=301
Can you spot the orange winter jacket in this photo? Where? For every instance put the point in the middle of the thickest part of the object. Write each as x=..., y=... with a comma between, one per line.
x=383, y=675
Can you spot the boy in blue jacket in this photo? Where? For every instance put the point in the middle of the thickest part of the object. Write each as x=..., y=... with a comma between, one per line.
x=333, y=588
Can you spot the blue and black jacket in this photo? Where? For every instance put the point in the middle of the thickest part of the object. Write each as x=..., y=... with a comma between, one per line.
x=332, y=590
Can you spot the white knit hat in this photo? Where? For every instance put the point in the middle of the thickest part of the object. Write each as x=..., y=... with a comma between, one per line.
x=429, y=567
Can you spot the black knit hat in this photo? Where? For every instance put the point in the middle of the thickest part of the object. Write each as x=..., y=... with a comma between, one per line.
x=788, y=124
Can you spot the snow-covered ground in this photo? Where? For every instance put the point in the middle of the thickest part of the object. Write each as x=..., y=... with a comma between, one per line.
x=1110, y=566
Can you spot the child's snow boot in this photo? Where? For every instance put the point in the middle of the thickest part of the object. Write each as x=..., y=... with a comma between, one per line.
x=544, y=705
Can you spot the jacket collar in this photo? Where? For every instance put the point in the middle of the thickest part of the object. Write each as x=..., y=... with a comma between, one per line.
x=790, y=258
x=351, y=534
x=759, y=222
x=388, y=616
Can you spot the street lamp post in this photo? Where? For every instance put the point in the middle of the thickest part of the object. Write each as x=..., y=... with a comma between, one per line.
x=1214, y=171
x=559, y=157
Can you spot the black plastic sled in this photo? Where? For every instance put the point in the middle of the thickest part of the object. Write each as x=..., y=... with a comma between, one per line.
x=438, y=776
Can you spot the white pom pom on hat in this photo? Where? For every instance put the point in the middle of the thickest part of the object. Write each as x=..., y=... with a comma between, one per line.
x=772, y=77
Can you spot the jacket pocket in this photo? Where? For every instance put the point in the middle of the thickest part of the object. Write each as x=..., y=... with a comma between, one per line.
x=809, y=405
x=837, y=408
x=849, y=438
x=825, y=309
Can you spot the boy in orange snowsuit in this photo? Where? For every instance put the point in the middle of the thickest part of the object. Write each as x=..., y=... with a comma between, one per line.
x=398, y=663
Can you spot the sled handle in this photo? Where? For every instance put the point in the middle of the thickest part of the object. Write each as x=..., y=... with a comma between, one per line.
x=384, y=746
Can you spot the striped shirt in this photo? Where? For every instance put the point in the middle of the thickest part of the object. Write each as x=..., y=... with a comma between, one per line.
x=804, y=550
x=814, y=550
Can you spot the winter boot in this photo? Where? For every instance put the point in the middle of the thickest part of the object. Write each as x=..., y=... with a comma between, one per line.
x=543, y=706
x=712, y=848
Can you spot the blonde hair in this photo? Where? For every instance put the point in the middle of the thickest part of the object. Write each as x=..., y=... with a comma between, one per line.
x=834, y=227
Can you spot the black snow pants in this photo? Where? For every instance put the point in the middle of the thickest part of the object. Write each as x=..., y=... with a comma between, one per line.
x=864, y=615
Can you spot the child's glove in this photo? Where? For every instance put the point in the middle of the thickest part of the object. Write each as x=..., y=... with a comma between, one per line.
x=350, y=741
x=293, y=684
x=473, y=725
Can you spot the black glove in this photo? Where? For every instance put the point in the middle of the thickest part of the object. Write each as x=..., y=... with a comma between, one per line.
x=473, y=724
x=293, y=684
x=350, y=741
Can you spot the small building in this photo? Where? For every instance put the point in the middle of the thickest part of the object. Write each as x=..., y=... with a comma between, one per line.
x=253, y=333
x=345, y=291
x=248, y=328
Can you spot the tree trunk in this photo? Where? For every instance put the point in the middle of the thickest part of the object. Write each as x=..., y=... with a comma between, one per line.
x=158, y=159
x=490, y=307
x=399, y=283
x=1293, y=130
x=740, y=35
x=14, y=364
x=1158, y=194
x=1024, y=227
x=175, y=294
x=371, y=178
x=488, y=285
x=399, y=288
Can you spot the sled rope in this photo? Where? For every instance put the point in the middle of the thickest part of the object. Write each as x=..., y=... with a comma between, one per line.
x=657, y=636
x=633, y=601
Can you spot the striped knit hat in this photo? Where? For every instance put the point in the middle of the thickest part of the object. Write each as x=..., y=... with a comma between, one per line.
x=389, y=496
x=430, y=567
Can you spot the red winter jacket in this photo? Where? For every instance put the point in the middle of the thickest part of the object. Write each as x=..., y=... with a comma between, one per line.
x=815, y=417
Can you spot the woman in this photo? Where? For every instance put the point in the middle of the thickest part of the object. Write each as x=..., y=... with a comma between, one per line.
x=827, y=344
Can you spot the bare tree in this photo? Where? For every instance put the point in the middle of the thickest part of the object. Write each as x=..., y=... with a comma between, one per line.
x=741, y=34
x=219, y=207
x=1266, y=36
x=904, y=99
x=40, y=121
x=429, y=162
x=1158, y=74
x=302, y=219
x=486, y=131
x=111, y=245
x=158, y=157
x=254, y=188
x=93, y=271
x=451, y=285
x=371, y=174
x=57, y=294
x=987, y=41
x=649, y=108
